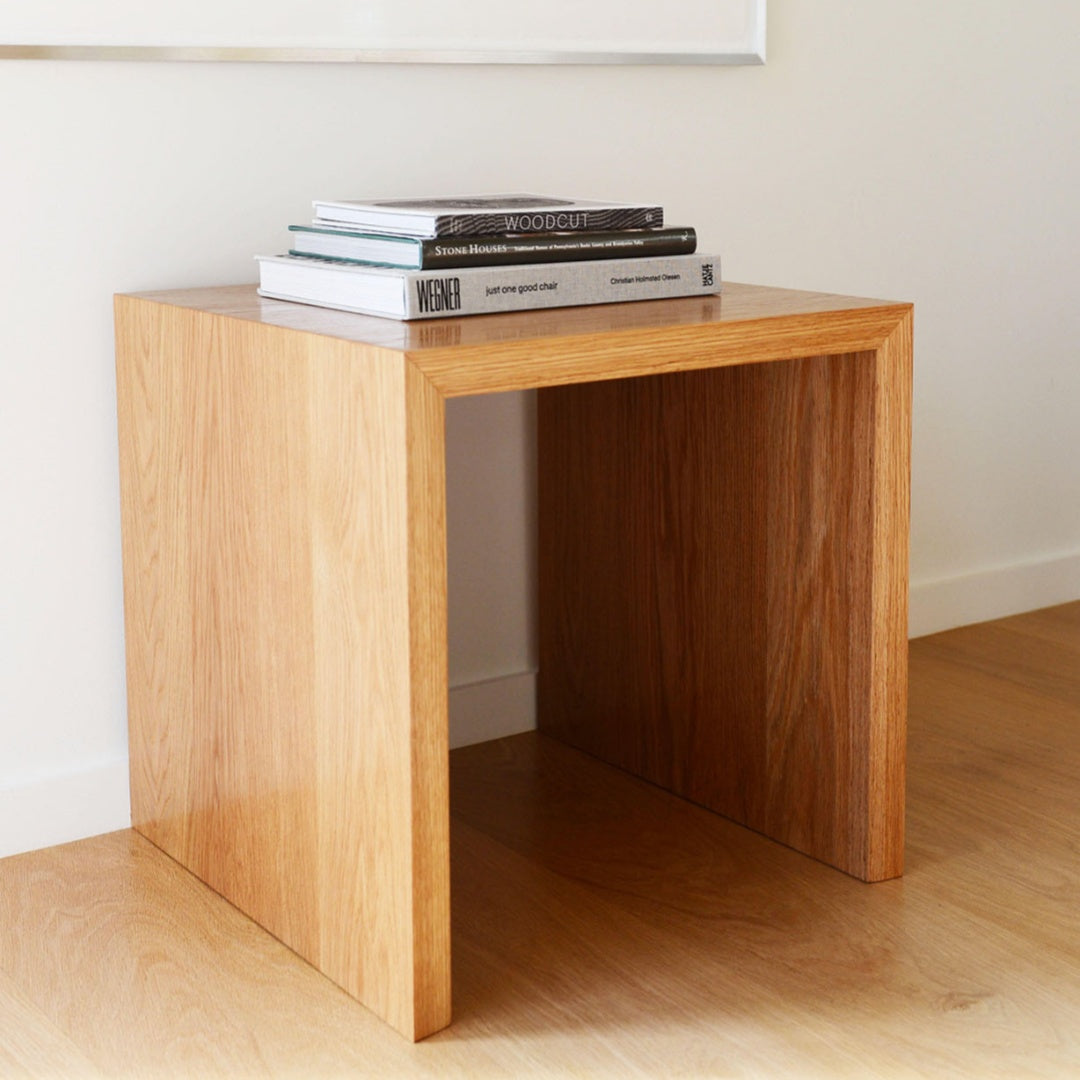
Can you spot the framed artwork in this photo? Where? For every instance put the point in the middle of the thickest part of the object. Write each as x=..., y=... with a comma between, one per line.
x=388, y=31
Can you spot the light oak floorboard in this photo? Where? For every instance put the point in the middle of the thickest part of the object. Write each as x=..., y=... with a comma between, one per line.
x=604, y=928
x=31, y=1045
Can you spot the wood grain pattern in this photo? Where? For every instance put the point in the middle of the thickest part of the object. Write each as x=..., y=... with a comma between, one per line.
x=723, y=582
x=283, y=593
x=723, y=591
x=605, y=928
x=31, y=1045
x=284, y=506
x=649, y=576
x=429, y=745
x=818, y=752
x=492, y=353
x=153, y=401
x=890, y=529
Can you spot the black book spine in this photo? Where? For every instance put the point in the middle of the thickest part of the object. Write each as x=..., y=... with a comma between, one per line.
x=443, y=252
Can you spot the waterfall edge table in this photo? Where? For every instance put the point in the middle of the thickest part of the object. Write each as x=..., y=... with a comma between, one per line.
x=723, y=492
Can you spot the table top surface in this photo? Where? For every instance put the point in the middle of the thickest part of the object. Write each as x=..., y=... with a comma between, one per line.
x=516, y=350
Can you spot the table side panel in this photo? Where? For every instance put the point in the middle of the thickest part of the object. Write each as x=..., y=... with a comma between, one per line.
x=723, y=578
x=384, y=892
x=818, y=472
x=154, y=385
x=652, y=579
x=224, y=752
x=275, y=754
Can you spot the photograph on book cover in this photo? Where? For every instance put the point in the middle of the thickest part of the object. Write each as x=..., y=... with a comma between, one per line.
x=420, y=31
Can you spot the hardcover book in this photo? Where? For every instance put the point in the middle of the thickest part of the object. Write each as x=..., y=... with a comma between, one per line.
x=415, y=253
x=482, y=215
x=426, y=294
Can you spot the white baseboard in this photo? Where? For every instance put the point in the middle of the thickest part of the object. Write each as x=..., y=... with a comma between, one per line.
x=492, y=709
x=992, y=593
x=66, y=806
x=93, y=800
x=59, y=808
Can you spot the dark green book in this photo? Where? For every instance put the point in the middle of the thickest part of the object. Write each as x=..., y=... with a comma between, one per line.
x=442, y=252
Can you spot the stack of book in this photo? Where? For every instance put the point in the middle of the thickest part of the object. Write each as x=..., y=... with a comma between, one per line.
x=433, y=258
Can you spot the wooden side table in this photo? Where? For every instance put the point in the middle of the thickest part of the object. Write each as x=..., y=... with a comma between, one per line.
x=723, y=503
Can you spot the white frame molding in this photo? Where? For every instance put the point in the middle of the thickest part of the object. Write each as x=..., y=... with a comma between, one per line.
x=49, y=35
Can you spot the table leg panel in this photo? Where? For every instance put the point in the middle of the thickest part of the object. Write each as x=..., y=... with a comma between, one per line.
x=708, y=551
x=285, y=601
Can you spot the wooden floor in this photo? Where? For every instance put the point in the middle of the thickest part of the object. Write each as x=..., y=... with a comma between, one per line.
x=605, y=929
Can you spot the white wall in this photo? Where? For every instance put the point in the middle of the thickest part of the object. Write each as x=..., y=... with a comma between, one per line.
x=919, y=151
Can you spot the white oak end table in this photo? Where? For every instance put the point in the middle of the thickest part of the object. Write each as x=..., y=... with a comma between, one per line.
x=723, y=548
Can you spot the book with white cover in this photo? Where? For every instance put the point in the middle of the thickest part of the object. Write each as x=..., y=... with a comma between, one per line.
x=431, y=294
x=485, y=215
